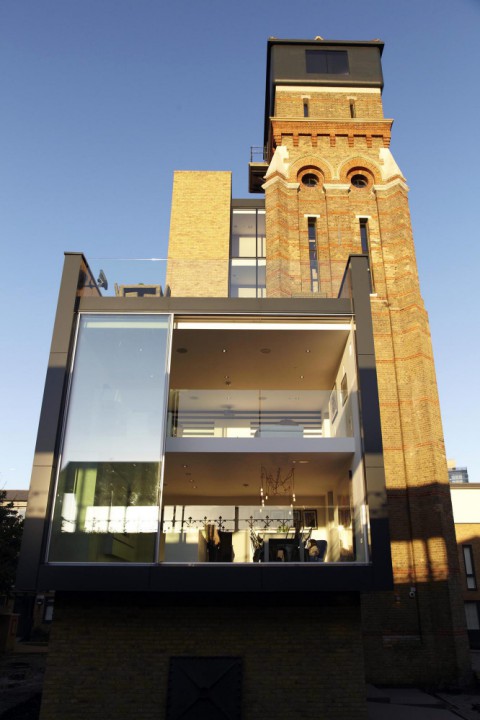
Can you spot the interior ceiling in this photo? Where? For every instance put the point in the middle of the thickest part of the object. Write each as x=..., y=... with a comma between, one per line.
x=198, y=475
x=249, y=359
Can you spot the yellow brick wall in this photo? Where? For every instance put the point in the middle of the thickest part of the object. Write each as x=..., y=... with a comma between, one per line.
x=332, y=104
x=199, y=243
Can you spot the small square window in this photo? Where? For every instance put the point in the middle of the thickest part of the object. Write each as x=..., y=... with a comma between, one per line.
x=327, y=62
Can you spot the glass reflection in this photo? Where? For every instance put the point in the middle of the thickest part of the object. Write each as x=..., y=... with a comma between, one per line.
x=107, y=500
x=250, y=533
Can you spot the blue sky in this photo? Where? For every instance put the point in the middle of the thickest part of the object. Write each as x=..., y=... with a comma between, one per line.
x=101, y=100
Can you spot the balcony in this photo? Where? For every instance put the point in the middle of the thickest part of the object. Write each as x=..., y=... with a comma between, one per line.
x=239, y=277
x=252, y=414
x=257, y=168
x=126, y=277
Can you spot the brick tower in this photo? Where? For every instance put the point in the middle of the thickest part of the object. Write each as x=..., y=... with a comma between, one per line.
x=332, y=189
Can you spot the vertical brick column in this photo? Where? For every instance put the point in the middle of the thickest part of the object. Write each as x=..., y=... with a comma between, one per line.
x=422, y=623
x=283, y=252
x=199, y=244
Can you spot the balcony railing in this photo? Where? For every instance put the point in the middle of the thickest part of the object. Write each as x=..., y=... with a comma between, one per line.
x=128, y=277
x=244, y=534
x=258, y=153
x=252, y=414
x=159, y=277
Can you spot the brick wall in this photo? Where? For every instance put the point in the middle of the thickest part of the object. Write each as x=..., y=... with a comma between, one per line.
x=333, y=103
x=407, y=639
x=109, y=655
x=199, y=244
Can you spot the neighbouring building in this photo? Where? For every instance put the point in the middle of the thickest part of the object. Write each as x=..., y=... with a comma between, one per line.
x=240, y=492
x=19, y=499
x=457, y=474
x=466, y=513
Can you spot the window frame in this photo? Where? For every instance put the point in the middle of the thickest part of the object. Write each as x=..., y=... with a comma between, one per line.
x=313, y=253
x=470, y=575
x=327, y=58
x=258, y=260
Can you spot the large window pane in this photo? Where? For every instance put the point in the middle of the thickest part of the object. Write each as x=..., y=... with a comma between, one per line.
x=244, y=278
x=107, y=504
x=248, y=250
x=244, y=233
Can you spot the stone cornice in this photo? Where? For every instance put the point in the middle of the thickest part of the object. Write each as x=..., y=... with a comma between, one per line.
x=277, y=177
x=336, y=187
x=392, y=184
x=351, y=129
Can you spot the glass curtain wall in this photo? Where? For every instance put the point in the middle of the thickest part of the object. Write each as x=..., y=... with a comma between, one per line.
x=107, y=499
x=248, y=253
x=263, y=456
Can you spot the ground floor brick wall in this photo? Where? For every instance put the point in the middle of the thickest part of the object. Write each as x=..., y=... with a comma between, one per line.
x=109, y=654
x=409, y=638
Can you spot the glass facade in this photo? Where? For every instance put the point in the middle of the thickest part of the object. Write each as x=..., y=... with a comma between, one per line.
x=248, y=252
x=257, y=442
x=263, y=452
x=107, y=498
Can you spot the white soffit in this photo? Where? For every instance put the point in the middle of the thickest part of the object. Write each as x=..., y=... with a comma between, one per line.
x=186, y=325
x=327, y=89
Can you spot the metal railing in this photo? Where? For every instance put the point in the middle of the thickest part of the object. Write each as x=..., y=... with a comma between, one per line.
x=258, y=153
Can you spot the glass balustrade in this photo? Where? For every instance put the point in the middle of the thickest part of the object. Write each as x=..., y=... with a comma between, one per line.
x=244, y=277
x=256, y=534
x=255, y=414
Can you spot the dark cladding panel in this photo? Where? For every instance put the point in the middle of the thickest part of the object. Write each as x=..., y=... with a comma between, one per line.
x=324, y=64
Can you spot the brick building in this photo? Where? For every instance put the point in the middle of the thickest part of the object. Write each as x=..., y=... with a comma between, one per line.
x=466, y=513
x=240, y=484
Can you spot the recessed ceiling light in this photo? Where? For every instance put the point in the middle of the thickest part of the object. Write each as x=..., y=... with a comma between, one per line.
x=224, y=350
x=301, y=377
x=185, y=466
x=265, y=351
x=307, y=351
x=182, y=351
